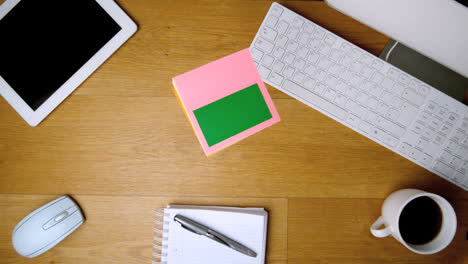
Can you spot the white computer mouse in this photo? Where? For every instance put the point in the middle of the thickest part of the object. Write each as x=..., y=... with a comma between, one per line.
x=46, y=227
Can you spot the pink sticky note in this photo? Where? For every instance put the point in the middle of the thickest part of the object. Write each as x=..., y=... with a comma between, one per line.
x=218, y=80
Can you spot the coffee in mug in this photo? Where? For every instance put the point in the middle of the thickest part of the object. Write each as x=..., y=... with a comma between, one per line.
x=423, y=222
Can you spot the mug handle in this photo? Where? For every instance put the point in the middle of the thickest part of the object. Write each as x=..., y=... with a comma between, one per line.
x=380, y=232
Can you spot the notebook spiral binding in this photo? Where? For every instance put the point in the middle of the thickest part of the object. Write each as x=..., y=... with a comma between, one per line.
x=160, y=238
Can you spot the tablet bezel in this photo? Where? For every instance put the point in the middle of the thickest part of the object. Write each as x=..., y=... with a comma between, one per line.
x=33, y=118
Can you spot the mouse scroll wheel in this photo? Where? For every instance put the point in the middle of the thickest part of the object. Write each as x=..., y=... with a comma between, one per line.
x=59, y=217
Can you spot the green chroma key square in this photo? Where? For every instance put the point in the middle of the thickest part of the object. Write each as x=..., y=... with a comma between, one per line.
x=232, y=114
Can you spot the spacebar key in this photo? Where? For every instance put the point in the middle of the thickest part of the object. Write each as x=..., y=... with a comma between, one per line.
x=315, y=100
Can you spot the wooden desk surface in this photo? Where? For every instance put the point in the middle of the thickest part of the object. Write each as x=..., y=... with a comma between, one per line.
x=121, y=145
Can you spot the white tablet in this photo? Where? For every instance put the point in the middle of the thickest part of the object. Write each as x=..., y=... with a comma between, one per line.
x=49, y=47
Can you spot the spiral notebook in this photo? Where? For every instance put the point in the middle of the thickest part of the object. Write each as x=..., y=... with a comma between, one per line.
x=175, y=245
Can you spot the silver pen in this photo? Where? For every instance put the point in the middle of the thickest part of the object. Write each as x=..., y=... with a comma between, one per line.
x=202, y=230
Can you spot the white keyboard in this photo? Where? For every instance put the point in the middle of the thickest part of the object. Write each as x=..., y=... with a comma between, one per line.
x=363, y=92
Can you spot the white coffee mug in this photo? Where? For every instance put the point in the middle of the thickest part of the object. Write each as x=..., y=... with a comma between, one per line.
x=391, y=211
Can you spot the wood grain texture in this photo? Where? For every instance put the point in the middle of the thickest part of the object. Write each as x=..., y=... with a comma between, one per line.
x=121, y=145
x=336, y=231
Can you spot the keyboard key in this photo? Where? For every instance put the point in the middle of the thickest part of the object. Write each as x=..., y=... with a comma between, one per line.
x=407, y=114
x=268, y=33
x=276, y=10
x=310, y=69
x=426, y=159
x=422, y=143
x=292, y=32
x=393, y=73
x=404, y=148
x=331, y=80
x=346, y=47
x=413, y=97
x=313, y=57
x=299, y=77
x=366, y=59
x=362, y=98
x=367, y=72
x=324, y=63
x=304, y=38
x=452, y=147
x=310, y=84
x=377, y=64
x=298, y=22
x=443, y=169
x=415, y=154
x=372, y=103
x=396, y=102
x=403, y=78
x=445, y=129
x=336, y=55
x=392, y=114
x=264, y=72
x=377, y=77
x=302, y=52
x=330, y=39
x=278, y=66
x=276, y=78
x=264, y=45
x=418, y=128
x=336, y=69
x=431, y=107
x=442, y=113
x=271, y=21
x=438, y=139
x=377, y=91
x=377, y=133
x=391, y=127
x=267, y=60
x=324, y=49
x=288, y=71
x=340, y=100
x=282, y=27
x=342, y=87
x=455, y=162
x=371, y=117
x=292, y=46
x=319, y=75
x=352, y=92
x=330, y=94
x=423, y=89
x=346, y=60
x=387, y=83
x=309, y=27
x=299, y=63
x=462, y=152
x=452, y=118
x=256, y=54
x=320, y=89
x=319, y=33
x=356, y=67
x=281, y=41
x=365, y=127
x=315, y=100
x=398, y=89
x=381, y=108
x=353, y=120
x=278, y=52
x=314, y=44
x=289, y=58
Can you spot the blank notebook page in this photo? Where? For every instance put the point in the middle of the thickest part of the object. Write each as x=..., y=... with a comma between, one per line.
x=247, y=228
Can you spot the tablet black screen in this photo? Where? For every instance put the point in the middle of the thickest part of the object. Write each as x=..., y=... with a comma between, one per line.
x=43, y=43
